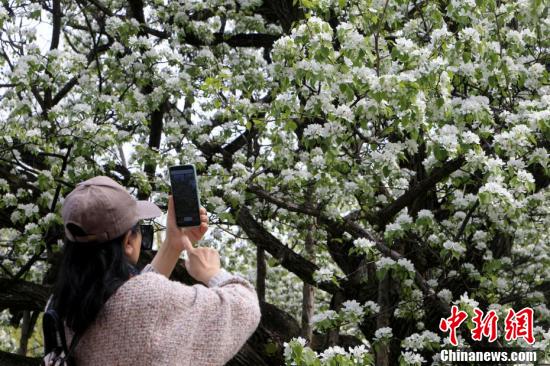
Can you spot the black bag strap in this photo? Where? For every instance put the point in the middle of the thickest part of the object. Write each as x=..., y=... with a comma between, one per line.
x=52, y=339
x=54, y=334
x=69, y=359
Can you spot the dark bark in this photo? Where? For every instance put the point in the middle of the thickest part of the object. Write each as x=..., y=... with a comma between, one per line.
x=22, y=295
x=308, y=291
x=27, y=327
x=277, y=327
x=261, y=237
x=284, y=12
x=383, y=319
x=261, y=271
x=56, y=32
x=308, y=309
x=11, y=359
x=155, y=134
x=333, y=336
x=382, y=217
x=286, y=256
x=542, y=180
x=227, y=151
x=339, y=248
x=135, y=10
x=56, y=29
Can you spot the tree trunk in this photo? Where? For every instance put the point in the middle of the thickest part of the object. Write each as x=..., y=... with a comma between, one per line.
x=122, y=156
x=261, y=272
x=335, y=304
x=383, y=319
x=27, y=327
x=308, y=300
x=135, y=9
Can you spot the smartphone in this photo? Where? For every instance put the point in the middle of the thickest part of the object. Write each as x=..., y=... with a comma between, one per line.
x=147, y=234
x=185, y=192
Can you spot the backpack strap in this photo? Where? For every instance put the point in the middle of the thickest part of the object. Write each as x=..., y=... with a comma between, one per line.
x=69, y=359
x=50, y=321
x=54, y=334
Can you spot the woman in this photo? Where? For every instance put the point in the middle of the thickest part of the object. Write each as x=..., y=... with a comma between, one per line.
x=123, y=317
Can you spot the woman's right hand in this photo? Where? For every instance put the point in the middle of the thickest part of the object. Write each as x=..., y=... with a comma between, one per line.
x=203, y=263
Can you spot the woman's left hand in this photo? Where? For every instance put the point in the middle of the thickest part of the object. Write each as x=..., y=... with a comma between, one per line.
x=181, y=238
x=196, y=233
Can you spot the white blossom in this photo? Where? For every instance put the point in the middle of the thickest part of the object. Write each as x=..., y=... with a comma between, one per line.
x=394, y=226
x=329, y=314
x=364, y=243
x=352, y=307
x=445, y=295
x=403, y=219
x=323, y=274
x=412, y=358
x=383, y=333
x=372, y=307
x=358, y=351
x=330, y=352
x=407, y=264
x=384, y=262
x=464, y=299
x=29, y=209
x=425, y=214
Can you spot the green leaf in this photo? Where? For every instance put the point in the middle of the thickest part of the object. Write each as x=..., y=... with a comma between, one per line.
x=35, y=14
x=440, y=153
x=273, y=262
x=308, y=4
x=381, y=273
x=484, y=198
x=271, y=348
x=290, y=125
x=309, y=357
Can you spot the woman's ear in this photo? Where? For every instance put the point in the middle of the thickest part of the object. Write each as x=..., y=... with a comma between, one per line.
x=128, y=245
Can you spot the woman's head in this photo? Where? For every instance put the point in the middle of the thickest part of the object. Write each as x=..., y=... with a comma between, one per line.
x=102, y=240
x=103, y=210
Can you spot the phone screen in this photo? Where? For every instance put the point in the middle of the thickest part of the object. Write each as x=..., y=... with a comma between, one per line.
x=147, y=234
x=186, y=195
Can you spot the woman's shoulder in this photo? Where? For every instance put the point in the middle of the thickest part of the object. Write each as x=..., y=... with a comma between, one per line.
x=152, y=288
x=149, y=283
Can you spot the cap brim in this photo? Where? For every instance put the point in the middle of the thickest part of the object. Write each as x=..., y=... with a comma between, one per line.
x=147, y=210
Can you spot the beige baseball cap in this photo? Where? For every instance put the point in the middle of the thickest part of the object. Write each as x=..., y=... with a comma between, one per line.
x=104, y=210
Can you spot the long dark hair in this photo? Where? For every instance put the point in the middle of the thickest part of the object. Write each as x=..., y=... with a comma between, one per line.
x=90, y=273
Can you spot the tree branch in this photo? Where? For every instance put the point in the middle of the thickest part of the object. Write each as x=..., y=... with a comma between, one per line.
x=382, y=217
x=11, y=359
x=56, y=29
x=74, y=80
x=288, y=258
x=22, y=295
x=305, y=209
